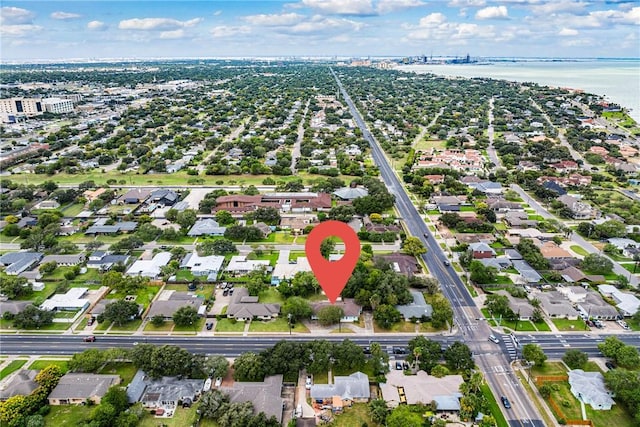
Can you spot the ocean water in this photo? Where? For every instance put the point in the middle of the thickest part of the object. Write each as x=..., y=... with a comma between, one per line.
x=617, y=81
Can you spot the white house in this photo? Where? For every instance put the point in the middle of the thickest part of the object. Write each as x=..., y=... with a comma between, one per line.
x=70, y=301
x=208, y=266
x=627, y=303
x=149, y=267
x=239, y=264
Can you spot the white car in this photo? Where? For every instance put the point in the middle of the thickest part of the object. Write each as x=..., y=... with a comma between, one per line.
x=218, y=382
x=494, y=339
x=308, y=383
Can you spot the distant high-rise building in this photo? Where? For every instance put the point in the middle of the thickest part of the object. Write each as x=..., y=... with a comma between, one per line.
x=21, y=107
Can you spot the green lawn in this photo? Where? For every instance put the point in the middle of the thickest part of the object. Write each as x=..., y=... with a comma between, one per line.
x=493, y=406
x=570, y=325
x=279, y=324
x=184, y=275
x=13, y=366
x=43, y=363
x=270, y=296
x=68, y=415
x=124, y=369
x=73, y=210
x=167, y=326
x=591, y=366
x=128, y=327
x=191, y=329
x=228, y=325
x=618, y=416
x=357, y=415
x=542, y=327
x=181, y=417
x=566, y=401
x=549, y=368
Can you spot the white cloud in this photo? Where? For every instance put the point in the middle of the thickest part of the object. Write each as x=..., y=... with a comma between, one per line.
x=14, y=15
x=568, y=32
x=493, y=12
x=172, y=35
x=157, y=24
x=341, y=7
x=217, y=13
x=96, y=26
x=19, y=30
x=65, y=15
x=432, y=20
x=275, y=20
x=387, y=6
x=559, y=6
x=320, y=24
x=229, y=31
x=466, y=3
x=436, y=27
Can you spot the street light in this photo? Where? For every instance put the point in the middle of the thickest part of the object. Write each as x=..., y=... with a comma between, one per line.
x=289, y=321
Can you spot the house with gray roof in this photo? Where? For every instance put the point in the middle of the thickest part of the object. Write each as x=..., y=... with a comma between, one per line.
x=527, y=273
x=13, y=307
x=22, y=383
x=349, y=307
x=627, y=303
x=589, y=387
x=353, y=388
x=520, y=306
x=209, y=266
x=500, y=263
x=100, y=226
x=245, y=307
x=350, y=193
x=163, y=197
x=417, y=309
x=19, y=262
x=64, y=260
x=265, y=396
x=169, y=301
x=206, y=227
x=555, y=305
x=75, y=389
x=577, y=208
x=166, y=393
x=595, y=307
x=104, y=261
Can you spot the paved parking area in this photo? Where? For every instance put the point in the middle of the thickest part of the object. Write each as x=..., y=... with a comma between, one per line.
x=220, y=302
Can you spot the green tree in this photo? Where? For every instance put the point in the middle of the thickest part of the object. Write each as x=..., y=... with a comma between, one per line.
x=297, y=307
x=224, y=218
x=216, y=366
x=597, y=264
x=330, y=315
x=117, y=397
x=213, y=404
x=88, y=361
x=348, y=356
x=186, y=218
x=442, y=312
x=458, y=357
x=248, y=367
x=14, y=286
x=31, y=317
x=327, y=246
x=628, y=357
x=378, y=410
x=48, y=377
x=268, y=215
x=120, y=312
x=404, y=416
x=575, y=359
x=217, y=247
x=413, y=246
x=386, y=315
x=611, y=346
x=185, y=316
x=157, y=320
x=425, y=351
x=482, y=274
x=534, y=353
x=255, y=283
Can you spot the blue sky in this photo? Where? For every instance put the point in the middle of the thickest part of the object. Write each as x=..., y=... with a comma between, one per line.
x=145, y=29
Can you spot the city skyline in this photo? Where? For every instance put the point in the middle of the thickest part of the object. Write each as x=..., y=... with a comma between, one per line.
x=147, y=29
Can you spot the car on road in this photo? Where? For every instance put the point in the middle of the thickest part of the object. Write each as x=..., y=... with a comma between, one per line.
x=494, y=339
x=89, y=339
x=426, y=235
x=399, y=350
x=447, y=263
x=505, y=402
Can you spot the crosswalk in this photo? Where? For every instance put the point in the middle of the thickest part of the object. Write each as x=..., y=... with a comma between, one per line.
x=511, y=348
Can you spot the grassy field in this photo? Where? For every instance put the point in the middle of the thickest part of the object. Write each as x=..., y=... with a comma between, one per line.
x=190, y=329
x=181, y=417
x=13, y=366
x=227, y=325
x=618, y=416
x=357, y=415
x=570, y=325
x=43, y=363
x=271, y=296
x=566, y=401
x=128, y=327
x=126, y=371
x=579, y=250
x=425, y=144
x=67, y=415
x=167, y=326
x=549, y=368
x=493, y=405
x=276, y=325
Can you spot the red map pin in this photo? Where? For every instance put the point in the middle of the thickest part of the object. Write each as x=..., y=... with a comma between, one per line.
x=332, y=275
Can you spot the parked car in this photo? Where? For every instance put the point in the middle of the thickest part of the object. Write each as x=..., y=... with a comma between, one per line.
x=610, y=365
x=309, y=382
x=505, y=402
x=90, y=321
x=225, y=292
x=218, y=382
x=398, y=365
x=494, y=339
x=89, y=339
x=209, y=326
x=623, y=324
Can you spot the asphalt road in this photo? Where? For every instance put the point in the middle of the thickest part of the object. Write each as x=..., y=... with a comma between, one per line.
x=494, y=364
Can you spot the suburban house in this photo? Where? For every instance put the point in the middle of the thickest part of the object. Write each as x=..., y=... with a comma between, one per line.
x=550, y=250
x=448, y=203
x=206, y=227
x=91, y=195
x=165, y=393
x=64, y=260
x=527, y=273
x=134, y=196
x=169, y=301
x=285, y=202
x=104, y=261
x=589, y=387
x=352, y=311
x=499, y=205
x=100, y=226
x=575, y=294
x=350, y=193
x=574, y=274
x=244, y=307
x=296, y=224
x=13, y=307
x=420, y=388
x=19, y=262
x=520, y=306
x=70, y=301
x=577, y=209
x=209, y=266
x=47, y=204
x=344, y=391
x=150, y=267
x=627, y=303
x=555, y=305
x=27, y=221
x=264, y=229
x=417, y=309
x=481, y=250
x=163, y=197
x=76, y=389
x=402, y=263
x=22, y=383
x=286, y=271
x=239, y=265
x=594, y=307
x=500, y=263
x=265, y=396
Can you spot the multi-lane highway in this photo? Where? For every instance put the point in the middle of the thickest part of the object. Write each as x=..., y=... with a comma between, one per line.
x=495, y=365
